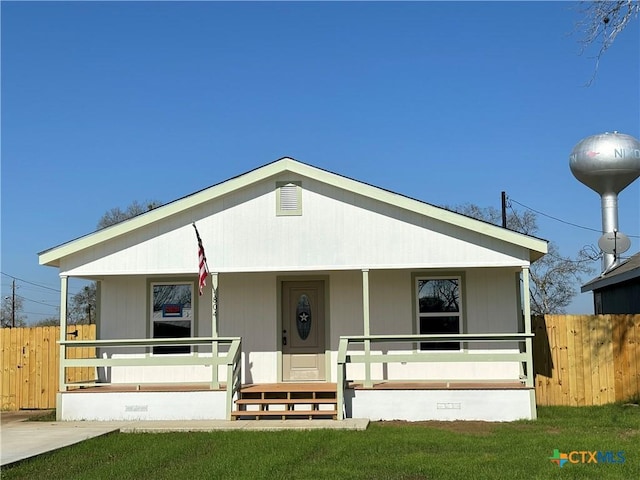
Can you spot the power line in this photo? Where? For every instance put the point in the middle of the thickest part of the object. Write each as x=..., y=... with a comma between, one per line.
x=36, y=301
x=30, y=283
x=38, y=285
x=560, y=220
x=516, y=217
x=40, y=314
x=557, y=257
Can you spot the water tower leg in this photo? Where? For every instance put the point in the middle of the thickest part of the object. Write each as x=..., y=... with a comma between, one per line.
x=609, y=224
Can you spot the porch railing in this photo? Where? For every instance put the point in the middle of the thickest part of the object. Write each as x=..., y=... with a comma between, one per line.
x=366, y=357
x=231, y=358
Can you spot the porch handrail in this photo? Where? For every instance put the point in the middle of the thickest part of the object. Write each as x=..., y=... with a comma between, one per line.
x=367, y=358
x=234, y=373
x=231, y=358
x=146, y=342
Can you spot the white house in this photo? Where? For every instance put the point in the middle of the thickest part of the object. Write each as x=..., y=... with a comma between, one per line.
x=326, y=297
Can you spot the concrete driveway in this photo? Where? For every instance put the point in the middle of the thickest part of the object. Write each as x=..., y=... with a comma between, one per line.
x=21, y=438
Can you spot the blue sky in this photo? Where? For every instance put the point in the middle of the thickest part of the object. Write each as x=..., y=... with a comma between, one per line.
x=446, y=102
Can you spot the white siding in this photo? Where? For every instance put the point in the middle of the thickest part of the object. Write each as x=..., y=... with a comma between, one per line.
x=248, y=307
x=345, y=310
x=123, y=309
x=391, y=302
x=337, y=230
x=491, y=305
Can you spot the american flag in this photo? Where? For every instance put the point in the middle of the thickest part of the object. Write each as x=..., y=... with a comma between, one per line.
x=202, y=263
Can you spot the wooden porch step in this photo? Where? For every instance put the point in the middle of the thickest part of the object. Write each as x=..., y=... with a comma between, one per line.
x=285, y=401
x=284, y=414
x=308, y=387
x=286, y=397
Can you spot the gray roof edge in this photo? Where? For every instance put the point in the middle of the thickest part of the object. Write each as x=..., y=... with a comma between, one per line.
x=627, y=270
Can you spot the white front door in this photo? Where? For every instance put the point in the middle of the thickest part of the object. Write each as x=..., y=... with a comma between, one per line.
x=303, y=331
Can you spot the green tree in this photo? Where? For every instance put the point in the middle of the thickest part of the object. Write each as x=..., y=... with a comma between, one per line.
x=554, y=277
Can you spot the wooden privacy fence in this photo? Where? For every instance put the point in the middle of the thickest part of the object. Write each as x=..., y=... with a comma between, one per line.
x=586, y=359
x=29, y=364
x=578, y=360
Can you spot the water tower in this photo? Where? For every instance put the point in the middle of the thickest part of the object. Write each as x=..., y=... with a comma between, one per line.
x=608, y=163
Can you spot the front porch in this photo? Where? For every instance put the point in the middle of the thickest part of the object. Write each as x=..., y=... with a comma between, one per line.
x=314, y=276
x=357, y=393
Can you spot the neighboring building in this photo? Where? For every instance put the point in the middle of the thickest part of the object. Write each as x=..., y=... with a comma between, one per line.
x=618, y=290
x=402, y=309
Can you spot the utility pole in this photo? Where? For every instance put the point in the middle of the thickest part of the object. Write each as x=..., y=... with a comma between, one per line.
x=88, y=299
x=504, y=209
x=13, y=303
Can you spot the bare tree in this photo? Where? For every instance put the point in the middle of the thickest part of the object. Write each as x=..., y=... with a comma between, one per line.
x=83, y=306
x=48, y=322
x=11, y=312
x=601, y=22
x=117, y=215
x=525, y=222
x=553, y=277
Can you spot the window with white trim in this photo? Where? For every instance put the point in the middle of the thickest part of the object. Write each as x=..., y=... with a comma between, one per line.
x=172, y=313
x=439, y=309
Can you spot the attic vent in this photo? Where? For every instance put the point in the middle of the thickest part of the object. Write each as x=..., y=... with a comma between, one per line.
x=288, y=198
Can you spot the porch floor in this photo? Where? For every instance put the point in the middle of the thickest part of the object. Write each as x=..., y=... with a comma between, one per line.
x=440, y=385
x=304, y=387
x=289, y=386
x=146, y=387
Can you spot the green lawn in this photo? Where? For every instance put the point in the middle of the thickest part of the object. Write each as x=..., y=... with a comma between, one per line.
x=386, y=450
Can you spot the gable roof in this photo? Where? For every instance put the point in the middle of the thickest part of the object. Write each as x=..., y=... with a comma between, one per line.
x=627, y=270
x=537, y=247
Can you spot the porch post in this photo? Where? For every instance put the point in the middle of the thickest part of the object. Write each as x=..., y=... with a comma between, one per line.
x=366, y=327
x=215, y=384
x=528, y=341
x=64, y=286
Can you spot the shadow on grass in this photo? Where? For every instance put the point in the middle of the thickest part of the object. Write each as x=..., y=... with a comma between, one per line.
x=43, y=416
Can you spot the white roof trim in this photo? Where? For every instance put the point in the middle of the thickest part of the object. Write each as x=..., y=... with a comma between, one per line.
x=52, y=256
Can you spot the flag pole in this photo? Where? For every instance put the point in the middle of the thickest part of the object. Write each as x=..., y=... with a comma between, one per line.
x=203, y=271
